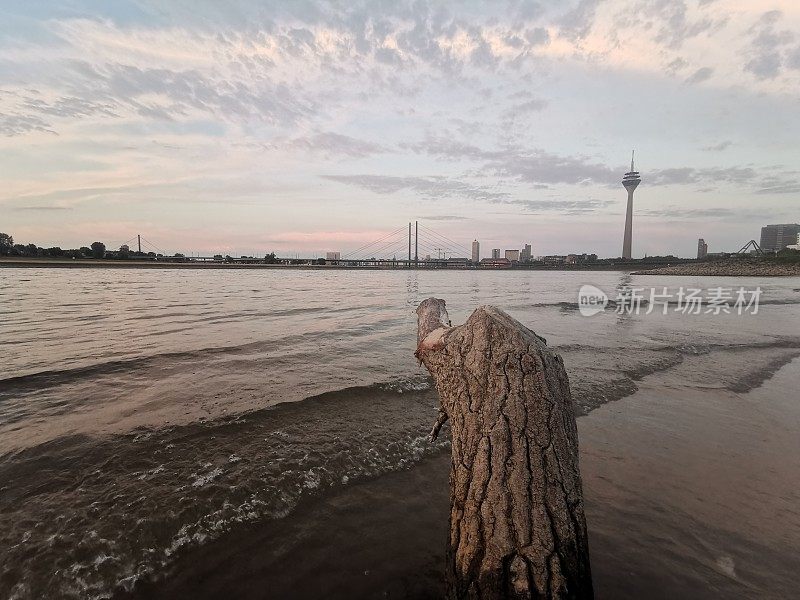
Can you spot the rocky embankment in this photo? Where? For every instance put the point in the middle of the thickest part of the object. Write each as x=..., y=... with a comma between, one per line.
x=730, y=268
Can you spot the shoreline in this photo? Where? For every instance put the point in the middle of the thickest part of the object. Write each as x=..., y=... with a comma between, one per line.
x=728, y=268
x=37, y=263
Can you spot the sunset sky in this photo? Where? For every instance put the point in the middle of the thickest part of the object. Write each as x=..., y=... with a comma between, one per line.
x=302, y=127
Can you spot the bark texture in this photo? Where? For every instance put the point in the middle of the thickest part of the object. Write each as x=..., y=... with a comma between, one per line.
x=517, y=526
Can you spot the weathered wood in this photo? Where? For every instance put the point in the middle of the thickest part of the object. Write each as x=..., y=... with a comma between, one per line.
x=517, y=526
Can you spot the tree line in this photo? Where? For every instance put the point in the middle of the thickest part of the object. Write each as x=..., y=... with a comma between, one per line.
x=99, y=250
x=93, y=250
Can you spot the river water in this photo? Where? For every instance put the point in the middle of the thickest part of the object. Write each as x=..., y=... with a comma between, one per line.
x=187, y=433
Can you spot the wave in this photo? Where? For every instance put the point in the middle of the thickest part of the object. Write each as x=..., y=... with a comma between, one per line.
x=601, y=375
x=173, y=488
x=55, y=377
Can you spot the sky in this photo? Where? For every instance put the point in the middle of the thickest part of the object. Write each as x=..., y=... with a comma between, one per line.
x=300, y=127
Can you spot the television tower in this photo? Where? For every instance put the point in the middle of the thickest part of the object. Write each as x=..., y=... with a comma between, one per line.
x=630, y=181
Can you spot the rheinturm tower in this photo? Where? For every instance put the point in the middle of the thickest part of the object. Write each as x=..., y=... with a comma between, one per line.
x=630, y=181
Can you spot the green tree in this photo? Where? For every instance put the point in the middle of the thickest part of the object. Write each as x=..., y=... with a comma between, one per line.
x=98, y=249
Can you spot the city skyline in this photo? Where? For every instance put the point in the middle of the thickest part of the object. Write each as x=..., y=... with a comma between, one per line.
x=303, y=129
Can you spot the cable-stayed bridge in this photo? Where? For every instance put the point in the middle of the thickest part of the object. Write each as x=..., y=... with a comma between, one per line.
x=411, y=246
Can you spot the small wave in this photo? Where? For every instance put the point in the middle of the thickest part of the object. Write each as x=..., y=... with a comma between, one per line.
x=55, y=377
x=171, y=489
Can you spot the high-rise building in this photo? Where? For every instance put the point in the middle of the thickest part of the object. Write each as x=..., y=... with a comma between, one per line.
x=702, y=248
x=777, y=237
x=476, y=251
x=495, y=253
x=525, y=255
x=630, y=181
x=512, y=255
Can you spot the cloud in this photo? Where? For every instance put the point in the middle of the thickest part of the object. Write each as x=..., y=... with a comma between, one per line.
x=765, y=65
x=41, y=208
x=569, y=207
x=440, y=187
x=335, y=144
x=768, y=47
x=11, y=125
x=68, y=107
x=444, y=218
x=673, y=22
x=577, y=22
x=118, y=90
x=686, y=213
x=523, y=108
x=718, y=147
x=793, y=59
x=432, y=187
x=520, y=164
x=541, y=169
x=676, y=65
x=759, y=180
x=779, y=187
x=700, y=75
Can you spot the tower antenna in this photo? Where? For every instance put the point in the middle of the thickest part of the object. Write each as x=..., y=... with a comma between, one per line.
x=632, y=153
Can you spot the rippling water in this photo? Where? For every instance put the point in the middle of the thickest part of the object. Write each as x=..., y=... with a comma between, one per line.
x=145, y=414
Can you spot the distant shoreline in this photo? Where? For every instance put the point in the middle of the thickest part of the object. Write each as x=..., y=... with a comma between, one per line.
x=721, y=268
x=728, y=268
x=133, y=264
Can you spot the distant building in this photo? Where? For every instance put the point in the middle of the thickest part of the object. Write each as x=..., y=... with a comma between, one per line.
x=554, y=259
x=333, y=256
x=124, y=248
x=456, y=262
x=795, y=246
x=572, y=259
x=776, y=237
x=495, y=253
x=512, y=255
x=702, y=249
x=525, y=255
x=496, y=263
x=476, y=251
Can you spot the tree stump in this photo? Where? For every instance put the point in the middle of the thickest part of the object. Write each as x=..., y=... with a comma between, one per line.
x=517, y=526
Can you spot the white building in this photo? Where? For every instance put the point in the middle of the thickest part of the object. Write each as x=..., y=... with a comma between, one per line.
x=495, y=253
x=476, y=251
x=512, y=255
x=333, y=256
x=525, y=255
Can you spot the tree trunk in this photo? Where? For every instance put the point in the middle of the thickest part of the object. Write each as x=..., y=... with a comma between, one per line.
x=517, y=527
